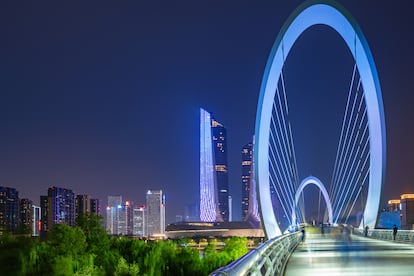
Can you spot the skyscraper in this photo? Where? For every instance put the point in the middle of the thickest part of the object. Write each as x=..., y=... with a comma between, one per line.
x=26, y=215
x=112, y=214
x=155, y=212
x=95, y=206
x=36, y=220
x=247, y=166
x=125, y=218
x=44, y=209
x=250, y=207
x=214, y=190
x=82, y=204
x=139, y=226
x=61, y=206
x=9, y=210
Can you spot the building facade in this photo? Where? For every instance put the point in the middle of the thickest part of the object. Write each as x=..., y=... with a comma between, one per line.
x=36, y=220
x=138, y=225
x=407, y=211
x=82, y=205
x=112, y=214
x=214, y=190
x=155, y=206
x=61, y=206
x=250, y=206
x=26, y=215
x=247, y=166
x=44, y=213
x=9, y=210
x=95, y=206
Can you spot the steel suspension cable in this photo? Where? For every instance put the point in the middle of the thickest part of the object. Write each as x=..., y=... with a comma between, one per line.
x=348, y=154
x=342, y=128
x=345, y=145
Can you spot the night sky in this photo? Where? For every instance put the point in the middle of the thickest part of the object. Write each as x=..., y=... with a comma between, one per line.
x=103, y=97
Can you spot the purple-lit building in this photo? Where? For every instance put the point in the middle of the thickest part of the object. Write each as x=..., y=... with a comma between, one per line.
x=214, y=191
x=61, y=206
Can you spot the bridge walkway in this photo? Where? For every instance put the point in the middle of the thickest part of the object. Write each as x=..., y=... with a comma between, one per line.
x=331, y=254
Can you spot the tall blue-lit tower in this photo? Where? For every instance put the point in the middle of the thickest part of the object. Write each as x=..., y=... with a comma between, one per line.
x=61, y=204
x=214, y=195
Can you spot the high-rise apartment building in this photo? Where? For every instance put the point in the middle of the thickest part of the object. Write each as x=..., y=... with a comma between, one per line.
x=155, y=212
x=36, y=221
x=9, y=210
x=95, y=206
x=44, y=209
x=61, y=206
x=214, y=190
x=82, y=205
x=26, y=215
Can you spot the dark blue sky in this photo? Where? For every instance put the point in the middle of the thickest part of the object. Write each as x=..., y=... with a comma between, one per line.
x=104, y=97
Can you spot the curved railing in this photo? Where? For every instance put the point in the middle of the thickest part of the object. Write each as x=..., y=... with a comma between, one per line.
x=269, y=258
x=405, y=236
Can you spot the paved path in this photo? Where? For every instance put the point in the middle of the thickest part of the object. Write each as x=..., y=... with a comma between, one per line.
x=352, y=255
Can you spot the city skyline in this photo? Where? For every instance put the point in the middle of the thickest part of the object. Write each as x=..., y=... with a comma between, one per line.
x=104, y=100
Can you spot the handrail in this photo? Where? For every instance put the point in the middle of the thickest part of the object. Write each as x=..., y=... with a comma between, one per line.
x=269, y=258
x=404, y=236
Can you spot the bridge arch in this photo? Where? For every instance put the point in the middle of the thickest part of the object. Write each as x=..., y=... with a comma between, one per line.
x=315, y=181
x=333, y=15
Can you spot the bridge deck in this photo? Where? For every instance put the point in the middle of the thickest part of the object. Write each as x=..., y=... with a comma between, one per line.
x=350, y=255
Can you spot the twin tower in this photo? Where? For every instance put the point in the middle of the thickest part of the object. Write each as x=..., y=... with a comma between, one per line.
x=215, y=202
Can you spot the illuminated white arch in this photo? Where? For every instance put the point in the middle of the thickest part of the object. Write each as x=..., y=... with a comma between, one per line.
x=316, y=181
x=335, y=16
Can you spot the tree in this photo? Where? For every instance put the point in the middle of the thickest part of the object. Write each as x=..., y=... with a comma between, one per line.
x=68, y=241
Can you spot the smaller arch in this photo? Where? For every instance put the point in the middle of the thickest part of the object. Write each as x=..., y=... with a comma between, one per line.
x=315, y=181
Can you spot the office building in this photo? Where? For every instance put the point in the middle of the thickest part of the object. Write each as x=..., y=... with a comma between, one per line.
x=112, y=214
x=247, y=166
x=9, y=210
x=125, y=219
x=139, y=227
x=407, y=211
x=155, y=206
x=61, y=206
x=214, y=194
x=250, y=207
x=26, y=215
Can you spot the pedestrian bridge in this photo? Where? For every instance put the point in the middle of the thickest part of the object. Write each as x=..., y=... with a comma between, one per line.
x=335, y=253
